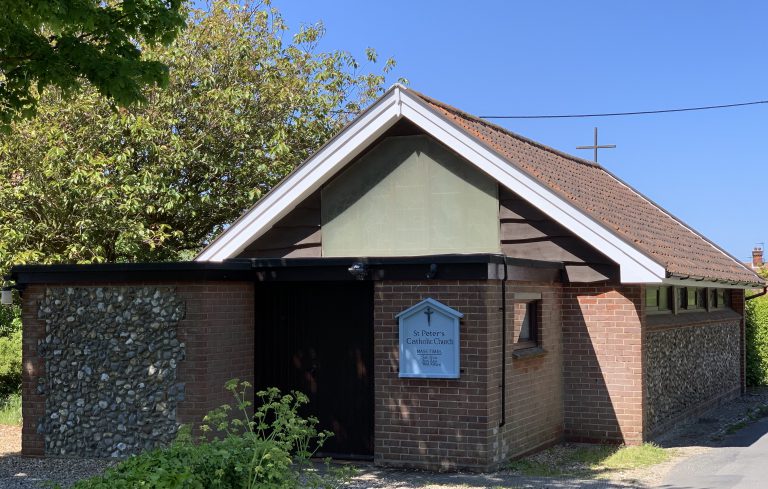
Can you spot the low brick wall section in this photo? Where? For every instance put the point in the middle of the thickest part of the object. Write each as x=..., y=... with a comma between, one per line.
x=692, y=361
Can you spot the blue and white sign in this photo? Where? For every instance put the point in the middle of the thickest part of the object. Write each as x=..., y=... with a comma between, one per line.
x=429, y=341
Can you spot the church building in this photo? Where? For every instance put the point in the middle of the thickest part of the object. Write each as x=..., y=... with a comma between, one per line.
x=450, y=295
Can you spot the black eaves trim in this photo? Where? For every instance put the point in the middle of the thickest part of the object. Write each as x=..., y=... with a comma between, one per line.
x=449, y=267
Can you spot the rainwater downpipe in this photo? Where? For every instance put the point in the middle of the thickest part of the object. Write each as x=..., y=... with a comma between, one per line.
x=504, y=346
x=759, y=294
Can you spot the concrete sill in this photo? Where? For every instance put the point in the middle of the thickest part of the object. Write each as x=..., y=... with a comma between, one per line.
x=534, y=352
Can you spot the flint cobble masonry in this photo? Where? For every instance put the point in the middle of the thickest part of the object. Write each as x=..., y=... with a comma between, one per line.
x=111, y=356
x=688, y=367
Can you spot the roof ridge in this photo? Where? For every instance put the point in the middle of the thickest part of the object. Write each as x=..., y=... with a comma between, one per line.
x=506, y=131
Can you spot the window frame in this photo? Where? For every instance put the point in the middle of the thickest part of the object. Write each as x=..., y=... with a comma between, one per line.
x=684, y=299
x=533, y=313
x=664, y=299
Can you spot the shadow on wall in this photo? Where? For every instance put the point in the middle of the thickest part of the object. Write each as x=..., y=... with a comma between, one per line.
x=602, y=368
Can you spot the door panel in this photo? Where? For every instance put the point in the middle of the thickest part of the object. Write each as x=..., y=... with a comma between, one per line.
x=318, y=338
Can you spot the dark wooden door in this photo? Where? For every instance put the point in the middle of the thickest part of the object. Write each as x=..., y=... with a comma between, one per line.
x=317, y=337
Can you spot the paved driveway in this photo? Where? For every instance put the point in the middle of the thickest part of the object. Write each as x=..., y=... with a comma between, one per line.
x=740, y=461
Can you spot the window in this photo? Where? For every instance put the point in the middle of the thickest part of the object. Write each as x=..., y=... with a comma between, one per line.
x=681, y=299
x=701, y=298
x=722, y=298
x=685, y=299
x=658, y=299
x=692, y=298
x=527, y=317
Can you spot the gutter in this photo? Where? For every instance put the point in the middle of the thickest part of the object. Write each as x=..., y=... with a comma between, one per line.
x=695, y=278
x=759, y=294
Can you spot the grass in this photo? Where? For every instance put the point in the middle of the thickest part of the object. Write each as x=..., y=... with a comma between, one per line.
x=589, y=461
x=10, y=410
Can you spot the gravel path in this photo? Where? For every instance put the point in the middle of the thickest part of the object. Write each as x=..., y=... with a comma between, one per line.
x=27, y=473
x=701, y=435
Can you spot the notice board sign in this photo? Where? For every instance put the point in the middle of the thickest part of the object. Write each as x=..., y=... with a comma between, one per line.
x=429, y=341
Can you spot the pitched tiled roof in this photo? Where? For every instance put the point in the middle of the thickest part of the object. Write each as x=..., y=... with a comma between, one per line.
x=683, y=252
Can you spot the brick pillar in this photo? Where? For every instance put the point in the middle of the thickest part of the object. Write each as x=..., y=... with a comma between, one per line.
x=602, y=363
x=33, y=405
x=218, y=331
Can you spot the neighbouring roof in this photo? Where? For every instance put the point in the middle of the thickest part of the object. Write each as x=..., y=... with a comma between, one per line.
x=683, y=252
x=648, y=243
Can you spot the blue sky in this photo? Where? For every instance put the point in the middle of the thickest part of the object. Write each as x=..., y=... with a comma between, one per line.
x=542, y=57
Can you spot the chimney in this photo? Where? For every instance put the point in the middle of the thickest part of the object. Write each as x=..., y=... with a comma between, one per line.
x=757, y=257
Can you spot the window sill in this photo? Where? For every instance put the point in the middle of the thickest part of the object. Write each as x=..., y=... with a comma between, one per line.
x=532, y=352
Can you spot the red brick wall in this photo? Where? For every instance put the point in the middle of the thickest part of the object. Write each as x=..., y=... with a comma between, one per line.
x=534, y=405
x=602, y=363
x=218, y=331
x=33, y=405
x=429, y=423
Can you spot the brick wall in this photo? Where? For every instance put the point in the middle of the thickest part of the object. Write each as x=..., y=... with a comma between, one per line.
x=455, y=424
x=217, y=330
x=534, y=403
x=33, y=406
x=219, y=334
x=602, y=363
x=430, y=423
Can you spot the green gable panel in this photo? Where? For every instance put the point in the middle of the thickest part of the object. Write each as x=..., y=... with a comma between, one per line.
x=410, y=196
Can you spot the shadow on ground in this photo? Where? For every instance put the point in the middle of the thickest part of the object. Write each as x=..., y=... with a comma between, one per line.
x=374, y=478
x=722, y=426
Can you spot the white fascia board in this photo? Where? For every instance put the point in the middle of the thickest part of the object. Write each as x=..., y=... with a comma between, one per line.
x=704, y=283
x=635, y=266
x=306, y=179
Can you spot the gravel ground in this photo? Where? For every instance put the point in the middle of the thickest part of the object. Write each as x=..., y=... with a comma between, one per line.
x=701, y=434
x=27, y=473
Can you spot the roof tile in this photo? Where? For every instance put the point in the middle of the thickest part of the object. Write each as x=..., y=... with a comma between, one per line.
x=588, y=186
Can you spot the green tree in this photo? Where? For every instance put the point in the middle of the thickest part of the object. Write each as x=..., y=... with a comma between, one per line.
x=83, y=182
x=10, y=351
x=58, y=43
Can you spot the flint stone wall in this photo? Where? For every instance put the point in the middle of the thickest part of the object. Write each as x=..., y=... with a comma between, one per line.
x=688, y=367
x=110, y=356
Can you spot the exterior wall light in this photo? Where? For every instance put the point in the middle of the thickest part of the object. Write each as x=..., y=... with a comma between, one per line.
x=6, y=296
x=358, y=270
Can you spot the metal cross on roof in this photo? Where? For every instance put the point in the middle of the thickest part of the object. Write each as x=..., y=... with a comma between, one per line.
x=596, y=146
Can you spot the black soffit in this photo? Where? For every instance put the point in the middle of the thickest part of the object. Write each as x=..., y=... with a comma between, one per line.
x=445, y=267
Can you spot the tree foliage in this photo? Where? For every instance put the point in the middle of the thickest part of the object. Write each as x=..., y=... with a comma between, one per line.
x=83, y=182
x=10, y=351
x=58, y=43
